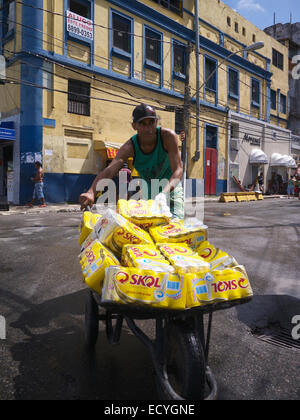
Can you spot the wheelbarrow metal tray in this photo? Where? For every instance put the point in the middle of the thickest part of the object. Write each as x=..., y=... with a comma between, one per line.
x=148, y=312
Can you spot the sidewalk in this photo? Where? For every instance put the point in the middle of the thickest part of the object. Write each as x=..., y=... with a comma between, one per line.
x=75, y=208
x=51, y=208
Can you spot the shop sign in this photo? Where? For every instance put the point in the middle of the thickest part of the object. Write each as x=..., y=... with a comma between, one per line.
x=252, y=140
x=79, y=25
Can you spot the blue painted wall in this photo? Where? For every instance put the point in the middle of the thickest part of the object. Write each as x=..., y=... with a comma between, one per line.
x=65, y=188
x=31, y=121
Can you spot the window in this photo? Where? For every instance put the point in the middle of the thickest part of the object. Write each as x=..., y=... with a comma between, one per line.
x=78, y=97
x=244, y=31
x=211, y=137
x=253, y=38
x=255, y=92
x=234, y=129
x=80, y=8
x=48, y=75
x=236, y=27
x=179, y=64
x=282, y=103
x=273, y=99
x=9, y=16
x=277, y=59
x=153, y=46
x=179, y=120
x=174, y=5
x=121, y=33
x=233, y=80
x=210, y=74
x=228, y=21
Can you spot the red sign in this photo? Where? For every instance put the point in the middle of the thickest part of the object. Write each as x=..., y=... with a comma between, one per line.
x=111, y=153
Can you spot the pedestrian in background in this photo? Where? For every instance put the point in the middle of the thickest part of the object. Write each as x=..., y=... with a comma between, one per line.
x=291, y=187
x=38, y=192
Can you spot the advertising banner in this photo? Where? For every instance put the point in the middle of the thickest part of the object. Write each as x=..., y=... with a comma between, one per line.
x=79, y=25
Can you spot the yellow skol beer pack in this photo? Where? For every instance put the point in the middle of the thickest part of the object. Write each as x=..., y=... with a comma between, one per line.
x=143, y=213
x=144, y=256
x=216, y=286
x=130, y=285
x=179, y=232
x=114, y=231
x=94, y=259
x=207, y=251
x=183, y=258
x=87, y=223
x=217, y=258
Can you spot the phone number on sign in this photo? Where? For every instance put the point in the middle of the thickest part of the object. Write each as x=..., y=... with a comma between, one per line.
x=78, y=31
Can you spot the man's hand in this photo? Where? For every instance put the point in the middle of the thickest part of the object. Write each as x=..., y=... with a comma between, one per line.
x=86, y=199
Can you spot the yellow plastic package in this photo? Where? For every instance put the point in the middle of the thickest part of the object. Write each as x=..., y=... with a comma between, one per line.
x=222, y=260
x=179, y=232
x=94, y=259
x=130, y=285
x=142, y=213
x=87, y=223
x=224, y=285
x=144, y=256
x=183, y=258
x=207, y=251
x=114, y=231
x=217, y=258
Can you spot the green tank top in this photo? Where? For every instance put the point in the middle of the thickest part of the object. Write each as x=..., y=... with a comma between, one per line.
x=154, y=165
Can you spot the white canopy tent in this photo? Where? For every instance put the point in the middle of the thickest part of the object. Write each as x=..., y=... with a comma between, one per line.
x=257, y=156
x=282, y=160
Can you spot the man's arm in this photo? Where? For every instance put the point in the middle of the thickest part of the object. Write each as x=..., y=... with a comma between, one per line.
x=170, y=143
x=126, y=151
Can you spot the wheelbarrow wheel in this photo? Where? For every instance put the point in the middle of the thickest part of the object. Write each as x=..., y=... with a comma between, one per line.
x=91, y=321
x=185, y=363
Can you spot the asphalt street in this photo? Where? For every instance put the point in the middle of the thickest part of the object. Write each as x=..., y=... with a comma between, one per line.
x=42, y=299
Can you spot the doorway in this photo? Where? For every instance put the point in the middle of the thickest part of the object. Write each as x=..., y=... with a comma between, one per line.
x=6, y=159
x=211, y=159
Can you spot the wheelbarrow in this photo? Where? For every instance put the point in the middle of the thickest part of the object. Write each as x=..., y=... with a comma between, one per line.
x=180, y=349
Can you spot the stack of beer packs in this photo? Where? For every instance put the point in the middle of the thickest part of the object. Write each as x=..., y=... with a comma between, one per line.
x=140, y=256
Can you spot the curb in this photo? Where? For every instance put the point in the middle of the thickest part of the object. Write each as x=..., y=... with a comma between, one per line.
x=68, y=208
x=15, y=210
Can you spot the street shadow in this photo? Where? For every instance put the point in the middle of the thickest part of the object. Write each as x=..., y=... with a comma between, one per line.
x=54, y=364
x=264, y=311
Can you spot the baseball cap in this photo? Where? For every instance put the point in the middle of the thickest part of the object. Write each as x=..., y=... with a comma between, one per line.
x=143, y=111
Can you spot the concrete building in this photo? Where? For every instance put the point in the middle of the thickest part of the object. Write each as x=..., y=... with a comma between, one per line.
x=76, y=69
x=289, y=35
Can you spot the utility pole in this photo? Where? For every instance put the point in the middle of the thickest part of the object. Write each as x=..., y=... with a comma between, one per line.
x=186, y=113
x=197, y=54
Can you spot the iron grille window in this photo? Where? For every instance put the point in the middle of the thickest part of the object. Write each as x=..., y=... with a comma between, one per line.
x=179, y=120
x=79, y=97
x=277, y=59
x=153, y=47
x=121, y=33
x=174, y=5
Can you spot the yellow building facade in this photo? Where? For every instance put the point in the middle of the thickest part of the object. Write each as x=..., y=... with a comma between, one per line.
x=77, y=68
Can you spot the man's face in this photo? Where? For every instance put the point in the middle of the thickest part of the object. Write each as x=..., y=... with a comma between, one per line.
x=146, y=128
